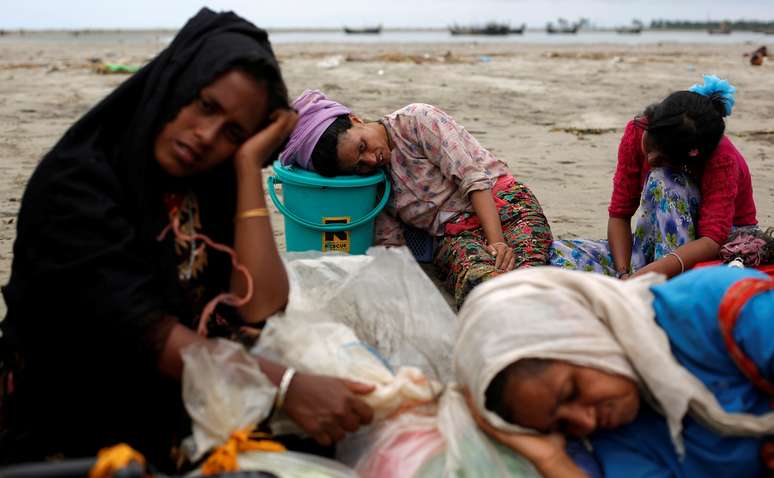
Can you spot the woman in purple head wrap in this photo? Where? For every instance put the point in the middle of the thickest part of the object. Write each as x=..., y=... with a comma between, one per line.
x=444, y=182
x=316, y=114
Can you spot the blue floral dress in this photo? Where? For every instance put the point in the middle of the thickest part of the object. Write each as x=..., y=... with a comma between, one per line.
x=665, y=220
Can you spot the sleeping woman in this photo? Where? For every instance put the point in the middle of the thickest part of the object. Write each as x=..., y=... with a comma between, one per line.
x=668, y=379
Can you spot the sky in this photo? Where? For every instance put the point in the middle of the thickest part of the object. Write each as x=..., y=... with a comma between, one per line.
x=71, y=14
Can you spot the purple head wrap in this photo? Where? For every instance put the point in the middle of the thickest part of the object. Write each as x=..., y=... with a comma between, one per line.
x=315, y=113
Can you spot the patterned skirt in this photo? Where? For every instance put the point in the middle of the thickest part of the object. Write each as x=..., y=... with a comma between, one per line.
x=665, y=220
x=463, y=260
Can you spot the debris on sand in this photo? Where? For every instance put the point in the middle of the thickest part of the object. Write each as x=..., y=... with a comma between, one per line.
x=581, y=132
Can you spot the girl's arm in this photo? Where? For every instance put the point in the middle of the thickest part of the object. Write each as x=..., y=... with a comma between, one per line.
x=324, y=407
x=254, y=237
x=625, y=197
x=684, y=258
x=619, y=239
x=486, y=210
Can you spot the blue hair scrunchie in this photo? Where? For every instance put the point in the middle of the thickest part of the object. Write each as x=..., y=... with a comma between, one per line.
x=715, y=86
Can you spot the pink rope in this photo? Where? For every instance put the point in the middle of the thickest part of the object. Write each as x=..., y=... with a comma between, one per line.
x=228, y=298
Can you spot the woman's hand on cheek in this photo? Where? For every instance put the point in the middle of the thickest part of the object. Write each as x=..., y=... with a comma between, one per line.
x=327, y=407
x=253, y=152
x=541, y=450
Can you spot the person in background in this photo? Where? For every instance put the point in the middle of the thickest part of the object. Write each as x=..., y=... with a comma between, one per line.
x=443, y=181
x=692, y=186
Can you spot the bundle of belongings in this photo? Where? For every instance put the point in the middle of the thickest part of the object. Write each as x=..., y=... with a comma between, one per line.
x=751, y=246
x=375, y=319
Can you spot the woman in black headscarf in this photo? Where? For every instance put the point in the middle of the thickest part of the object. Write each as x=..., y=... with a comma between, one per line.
x=98, y=306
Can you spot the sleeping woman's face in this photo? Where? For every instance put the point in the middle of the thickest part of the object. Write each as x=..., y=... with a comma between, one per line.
x=211, y=129
x=571, y=399
x=364, y=148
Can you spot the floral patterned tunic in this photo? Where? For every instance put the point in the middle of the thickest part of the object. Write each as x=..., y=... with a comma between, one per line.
x=434, y=165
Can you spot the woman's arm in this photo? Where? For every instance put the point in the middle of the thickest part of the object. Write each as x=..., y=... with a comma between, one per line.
x=324, y=407
x=619, y=239
x=699, y=250
x=254, y=237
x=461, y=159
x=486, y=210
x=170, y=360
x=627, y=188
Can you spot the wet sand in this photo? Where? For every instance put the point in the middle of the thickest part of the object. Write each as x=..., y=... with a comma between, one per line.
x=554, y=113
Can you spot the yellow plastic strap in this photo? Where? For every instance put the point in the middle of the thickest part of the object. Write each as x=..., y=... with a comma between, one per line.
x=113, y=459
x=224, y=458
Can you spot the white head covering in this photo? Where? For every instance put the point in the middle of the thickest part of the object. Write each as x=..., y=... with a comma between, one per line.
x=590, y=320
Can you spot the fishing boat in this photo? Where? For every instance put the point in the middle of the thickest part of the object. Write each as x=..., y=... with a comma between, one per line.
x=518, y=31
x=723, y=29
x=562, y=28
x=364, y=31
x=491, y=28
x=634, y=29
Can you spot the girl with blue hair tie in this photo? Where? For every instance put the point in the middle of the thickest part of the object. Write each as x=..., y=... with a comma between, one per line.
x=687, y=183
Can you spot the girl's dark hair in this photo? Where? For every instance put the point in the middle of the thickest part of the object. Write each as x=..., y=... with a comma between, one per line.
x=520, y=370
x=685, y=121
x=325, y=157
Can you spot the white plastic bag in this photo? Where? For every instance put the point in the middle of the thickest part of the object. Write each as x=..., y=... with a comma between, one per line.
x=224, y=391
x=317, y=344
x=442, y=441
x=294, y=465
x=376, y=319
x=469, y=452
x=396, y=447
x=384, y=297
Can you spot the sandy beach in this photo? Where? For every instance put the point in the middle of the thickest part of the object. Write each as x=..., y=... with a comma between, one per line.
x=554, y=113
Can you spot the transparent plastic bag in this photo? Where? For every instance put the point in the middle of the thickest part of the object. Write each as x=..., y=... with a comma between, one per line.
x=316, y=344
x=223, y=391
x=294, y=465
x=384, y=297
x=427, y=443
x=469, y=452
x=397, y=447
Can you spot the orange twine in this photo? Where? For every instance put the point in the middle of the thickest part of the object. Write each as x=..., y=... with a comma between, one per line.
x=228, y=298
x=224, y=458
x=113, y=459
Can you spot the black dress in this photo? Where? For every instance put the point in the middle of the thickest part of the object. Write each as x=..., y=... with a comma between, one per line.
x=93, y=293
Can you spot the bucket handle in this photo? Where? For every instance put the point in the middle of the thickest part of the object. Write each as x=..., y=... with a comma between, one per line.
x=327, y=227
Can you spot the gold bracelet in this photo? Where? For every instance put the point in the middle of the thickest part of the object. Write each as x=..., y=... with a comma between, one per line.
x=257, y=212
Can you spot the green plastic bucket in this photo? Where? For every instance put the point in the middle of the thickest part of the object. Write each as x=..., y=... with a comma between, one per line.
x=328, y=214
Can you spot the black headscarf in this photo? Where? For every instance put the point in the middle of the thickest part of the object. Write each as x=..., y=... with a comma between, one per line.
x=91, y=288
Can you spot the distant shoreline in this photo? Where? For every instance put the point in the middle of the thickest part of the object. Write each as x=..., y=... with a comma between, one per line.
x=172, y=31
